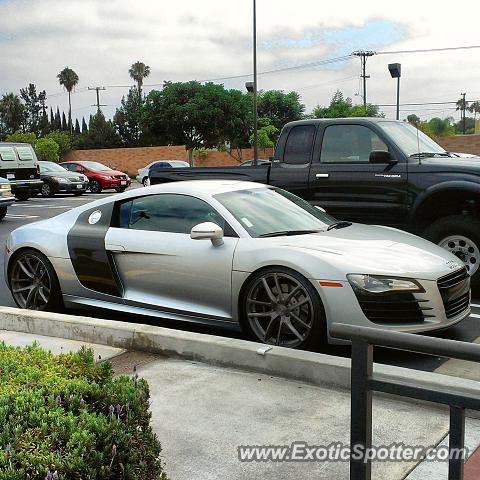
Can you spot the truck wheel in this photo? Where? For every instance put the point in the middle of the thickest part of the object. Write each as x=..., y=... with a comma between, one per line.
x=3, y=212
x=460, y=235
x=22, y=196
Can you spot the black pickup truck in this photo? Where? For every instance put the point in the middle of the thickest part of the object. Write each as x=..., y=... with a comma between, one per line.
x=373, y=171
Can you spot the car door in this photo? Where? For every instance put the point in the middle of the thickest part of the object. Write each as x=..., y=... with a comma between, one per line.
x=344, y=182
x=161, y=267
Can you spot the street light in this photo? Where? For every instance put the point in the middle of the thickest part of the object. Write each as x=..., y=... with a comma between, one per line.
x=250, y=87
x=396, y=71
x=255, y=115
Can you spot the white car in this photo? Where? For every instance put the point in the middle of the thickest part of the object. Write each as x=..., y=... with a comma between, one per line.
x=235, y=254
x=143, y=173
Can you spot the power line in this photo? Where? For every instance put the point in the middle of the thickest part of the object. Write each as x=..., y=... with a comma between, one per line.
x=98, y=105
x=427, y=50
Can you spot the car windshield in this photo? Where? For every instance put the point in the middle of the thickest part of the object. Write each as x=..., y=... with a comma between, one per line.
x=270, y=211
x=411, y=140
x=51, y=167
x=96, y=166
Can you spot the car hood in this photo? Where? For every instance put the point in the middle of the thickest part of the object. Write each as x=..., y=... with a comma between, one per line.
x=377, y=250
x=65, y=174
x=450, y=164
x=108, y=173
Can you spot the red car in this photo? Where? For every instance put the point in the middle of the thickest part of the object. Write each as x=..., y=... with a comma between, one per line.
x=100, y=176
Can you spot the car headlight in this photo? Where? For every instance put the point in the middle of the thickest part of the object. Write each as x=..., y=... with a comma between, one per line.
x=380, y=284
x=5, y=186
x=109, y=178
x=83, y=178
x=60, y=179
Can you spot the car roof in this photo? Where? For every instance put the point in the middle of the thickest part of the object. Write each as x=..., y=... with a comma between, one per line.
x=316, y=121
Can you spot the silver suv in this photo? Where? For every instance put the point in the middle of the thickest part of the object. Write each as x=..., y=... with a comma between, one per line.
x=19, y=165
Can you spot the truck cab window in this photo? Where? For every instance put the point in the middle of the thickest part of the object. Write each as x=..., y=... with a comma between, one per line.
x=349, y=144
x=298, y=149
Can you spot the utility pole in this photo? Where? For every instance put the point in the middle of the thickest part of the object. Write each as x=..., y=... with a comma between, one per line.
x=255, y=89
x=98, y=105
x=363, y=57
x=464, y=107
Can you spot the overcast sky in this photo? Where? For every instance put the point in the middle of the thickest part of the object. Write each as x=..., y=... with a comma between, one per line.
x=208, y=39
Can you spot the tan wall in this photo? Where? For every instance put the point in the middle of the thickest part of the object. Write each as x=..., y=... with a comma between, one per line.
x=461, y=143
x=131, y=159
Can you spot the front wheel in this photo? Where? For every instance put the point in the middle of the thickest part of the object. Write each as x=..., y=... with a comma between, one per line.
x=281, y=307
x=146, y=182
x=460, y=235
x=33, y=282
x=3, y=212
x=95, y=186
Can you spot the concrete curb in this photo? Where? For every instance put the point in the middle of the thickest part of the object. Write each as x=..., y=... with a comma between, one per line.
x=314, y=368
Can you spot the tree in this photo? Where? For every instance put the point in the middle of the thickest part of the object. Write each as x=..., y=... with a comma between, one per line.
x=47, y=149
x=267, y=134
x=138, y=71
x=62, y=139
x=68, y=79
x=341, y=107
x=12, y=114
x=413, y=119
x=469, y=126
x=34, y=106
x=57, y=125
x=127, y=119
x=64, y=122
x=474, y=108
x=19, y=137
x=280, y=107
x=77, y=127
x=441, y=127
x=101, y=133
x=190, y=114
x=84, y=125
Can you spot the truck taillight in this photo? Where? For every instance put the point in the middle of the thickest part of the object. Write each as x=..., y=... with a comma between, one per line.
x=38, y=169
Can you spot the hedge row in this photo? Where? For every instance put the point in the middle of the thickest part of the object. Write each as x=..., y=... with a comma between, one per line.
x=66, y=417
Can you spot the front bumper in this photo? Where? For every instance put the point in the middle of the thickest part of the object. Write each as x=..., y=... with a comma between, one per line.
x=6, y=201
x=70, y=187
x=115, y=183
x=26, y=185
x=342, y=306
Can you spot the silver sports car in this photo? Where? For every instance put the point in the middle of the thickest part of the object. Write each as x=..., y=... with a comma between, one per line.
x=239, y=254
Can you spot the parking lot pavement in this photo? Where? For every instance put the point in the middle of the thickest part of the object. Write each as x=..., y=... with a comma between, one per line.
x=39, y=208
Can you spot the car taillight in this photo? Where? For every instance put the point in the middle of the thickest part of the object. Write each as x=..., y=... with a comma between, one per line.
x=38, y=169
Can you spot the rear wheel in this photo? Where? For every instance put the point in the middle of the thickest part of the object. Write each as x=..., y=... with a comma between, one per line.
x=95, y=186
x=3, y=212
x=281, y=307
x=460, y=235
x=47, y=190
x=33, y=282
x=146, y=182
x=77, y=194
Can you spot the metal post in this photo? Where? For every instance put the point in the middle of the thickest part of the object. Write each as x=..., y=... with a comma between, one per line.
x=457, y=441
x=364, y=68
x=464, y=107
x=398, y=98
x=361, y=408
x=255, y=113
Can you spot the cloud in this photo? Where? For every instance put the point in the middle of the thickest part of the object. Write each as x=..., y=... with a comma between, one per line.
x=186, y=40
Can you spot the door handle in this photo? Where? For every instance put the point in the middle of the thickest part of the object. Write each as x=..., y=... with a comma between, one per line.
x=322, y=175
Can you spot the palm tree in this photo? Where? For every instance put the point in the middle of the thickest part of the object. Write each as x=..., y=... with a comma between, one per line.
x=138, y=71
x=474, y=108
x=68, y=79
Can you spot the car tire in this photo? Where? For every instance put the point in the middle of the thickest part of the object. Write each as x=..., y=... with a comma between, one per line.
x=47, y=190
x=120, y=190
x=459, y=234
x=77, y=194
x=3, y=212
x=95, y=186
x=43, y=292
x=22, y=196
x=298, y=317
x=146, y=182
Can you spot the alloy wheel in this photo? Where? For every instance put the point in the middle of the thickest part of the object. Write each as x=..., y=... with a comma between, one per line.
x=94, y=186
x=279, y=310
x=30, y=282
x=464, y=249
x=146, y=182
x=46, y=190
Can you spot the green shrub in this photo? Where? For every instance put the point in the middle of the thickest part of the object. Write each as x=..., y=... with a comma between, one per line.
x=22, y=138
x=47, y=149
x=66, y=417
x=63, y=139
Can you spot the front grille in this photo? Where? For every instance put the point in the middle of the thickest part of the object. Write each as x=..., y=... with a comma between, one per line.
x=455, y=291
x=392, y=308
x=75, y=179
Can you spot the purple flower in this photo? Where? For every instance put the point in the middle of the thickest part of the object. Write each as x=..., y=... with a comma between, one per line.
x=58, y=400
x=82, y=402
x=8, y=451
x=127, y=407
x=49, y=474
x=111, y=410
x=119, y=409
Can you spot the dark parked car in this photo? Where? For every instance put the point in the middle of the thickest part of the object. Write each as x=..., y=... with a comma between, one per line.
x=372, y=170
x=100, y=176
x=57, y=179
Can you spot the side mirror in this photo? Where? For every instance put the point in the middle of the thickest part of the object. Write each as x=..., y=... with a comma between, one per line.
x=380, y=156
x=208, y=231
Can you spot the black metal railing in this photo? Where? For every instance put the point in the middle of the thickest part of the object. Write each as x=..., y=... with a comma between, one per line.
x=364, y=382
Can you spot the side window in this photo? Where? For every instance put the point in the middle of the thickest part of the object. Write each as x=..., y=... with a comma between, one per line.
x=7, y=154
x=167, y=213
x=299, y=145
x=25, y=154
x=160, y=165
x=349, y=144
x=69, y=166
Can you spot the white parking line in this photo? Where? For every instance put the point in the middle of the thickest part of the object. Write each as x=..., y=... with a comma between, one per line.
x=9, y=215
x=475, y=315
x=37, y=205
